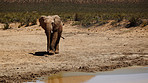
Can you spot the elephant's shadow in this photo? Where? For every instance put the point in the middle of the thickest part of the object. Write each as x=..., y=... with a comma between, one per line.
x=41, y=53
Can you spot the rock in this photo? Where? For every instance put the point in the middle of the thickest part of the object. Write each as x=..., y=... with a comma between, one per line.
x=2, y=26
x=14, y=25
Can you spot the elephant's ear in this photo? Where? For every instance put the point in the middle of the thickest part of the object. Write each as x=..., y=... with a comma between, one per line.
x=57, y=20
x=41, y=20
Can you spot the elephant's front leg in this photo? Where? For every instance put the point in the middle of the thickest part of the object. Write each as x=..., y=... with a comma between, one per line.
x=54, y=37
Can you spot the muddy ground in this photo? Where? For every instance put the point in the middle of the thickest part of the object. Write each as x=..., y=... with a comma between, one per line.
x=98, y=48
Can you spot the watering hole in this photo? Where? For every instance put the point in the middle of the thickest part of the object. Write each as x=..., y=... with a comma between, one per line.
x=124, y=75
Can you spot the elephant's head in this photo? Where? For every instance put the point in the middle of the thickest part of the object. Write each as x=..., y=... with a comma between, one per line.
x=50, y=22
x=46, y=22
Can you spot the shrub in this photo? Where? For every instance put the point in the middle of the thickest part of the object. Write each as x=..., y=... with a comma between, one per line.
x=6, y=26
x=25, y=18
x=85, y=14
x=134, y=21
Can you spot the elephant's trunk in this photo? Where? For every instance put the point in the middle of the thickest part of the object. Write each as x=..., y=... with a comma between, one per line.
x=48, y=34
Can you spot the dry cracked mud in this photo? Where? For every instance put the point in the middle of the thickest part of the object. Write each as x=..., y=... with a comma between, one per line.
x=93, y=49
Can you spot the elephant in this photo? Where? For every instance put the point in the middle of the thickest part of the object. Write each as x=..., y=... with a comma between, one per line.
x=53, y=27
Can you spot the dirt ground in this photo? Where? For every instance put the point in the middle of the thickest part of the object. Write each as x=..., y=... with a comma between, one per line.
x=98, y=48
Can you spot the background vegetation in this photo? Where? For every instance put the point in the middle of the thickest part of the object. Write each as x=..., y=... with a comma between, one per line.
x=75, y=1
x=84, y=14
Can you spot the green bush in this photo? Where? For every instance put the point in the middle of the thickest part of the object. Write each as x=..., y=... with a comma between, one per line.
x=6, y=26
x=84, y=14
x=134, y=21
x=24, y=18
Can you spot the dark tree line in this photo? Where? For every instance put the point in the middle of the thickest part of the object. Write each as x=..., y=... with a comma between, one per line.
x=74, y=1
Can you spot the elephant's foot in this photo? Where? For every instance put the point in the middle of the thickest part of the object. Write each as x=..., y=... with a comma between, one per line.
x=56, y=52
x=51, y=52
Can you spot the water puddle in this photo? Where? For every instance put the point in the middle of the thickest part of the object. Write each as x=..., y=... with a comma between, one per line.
x=124, y=75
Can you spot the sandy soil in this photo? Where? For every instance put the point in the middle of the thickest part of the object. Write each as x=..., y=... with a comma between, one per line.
x=103, y=48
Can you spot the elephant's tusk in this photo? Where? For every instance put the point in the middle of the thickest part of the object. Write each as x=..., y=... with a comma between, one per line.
x=62, y=37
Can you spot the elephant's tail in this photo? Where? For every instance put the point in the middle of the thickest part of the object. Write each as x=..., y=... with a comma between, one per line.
x=62, y=37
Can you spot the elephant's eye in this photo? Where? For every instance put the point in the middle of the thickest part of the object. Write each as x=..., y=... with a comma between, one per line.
x=52, y=23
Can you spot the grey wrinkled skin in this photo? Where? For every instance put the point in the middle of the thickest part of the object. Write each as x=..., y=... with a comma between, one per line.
x=53, y=27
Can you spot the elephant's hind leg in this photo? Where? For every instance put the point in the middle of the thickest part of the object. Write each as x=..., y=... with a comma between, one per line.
x=57, y=44
x=57, y=49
